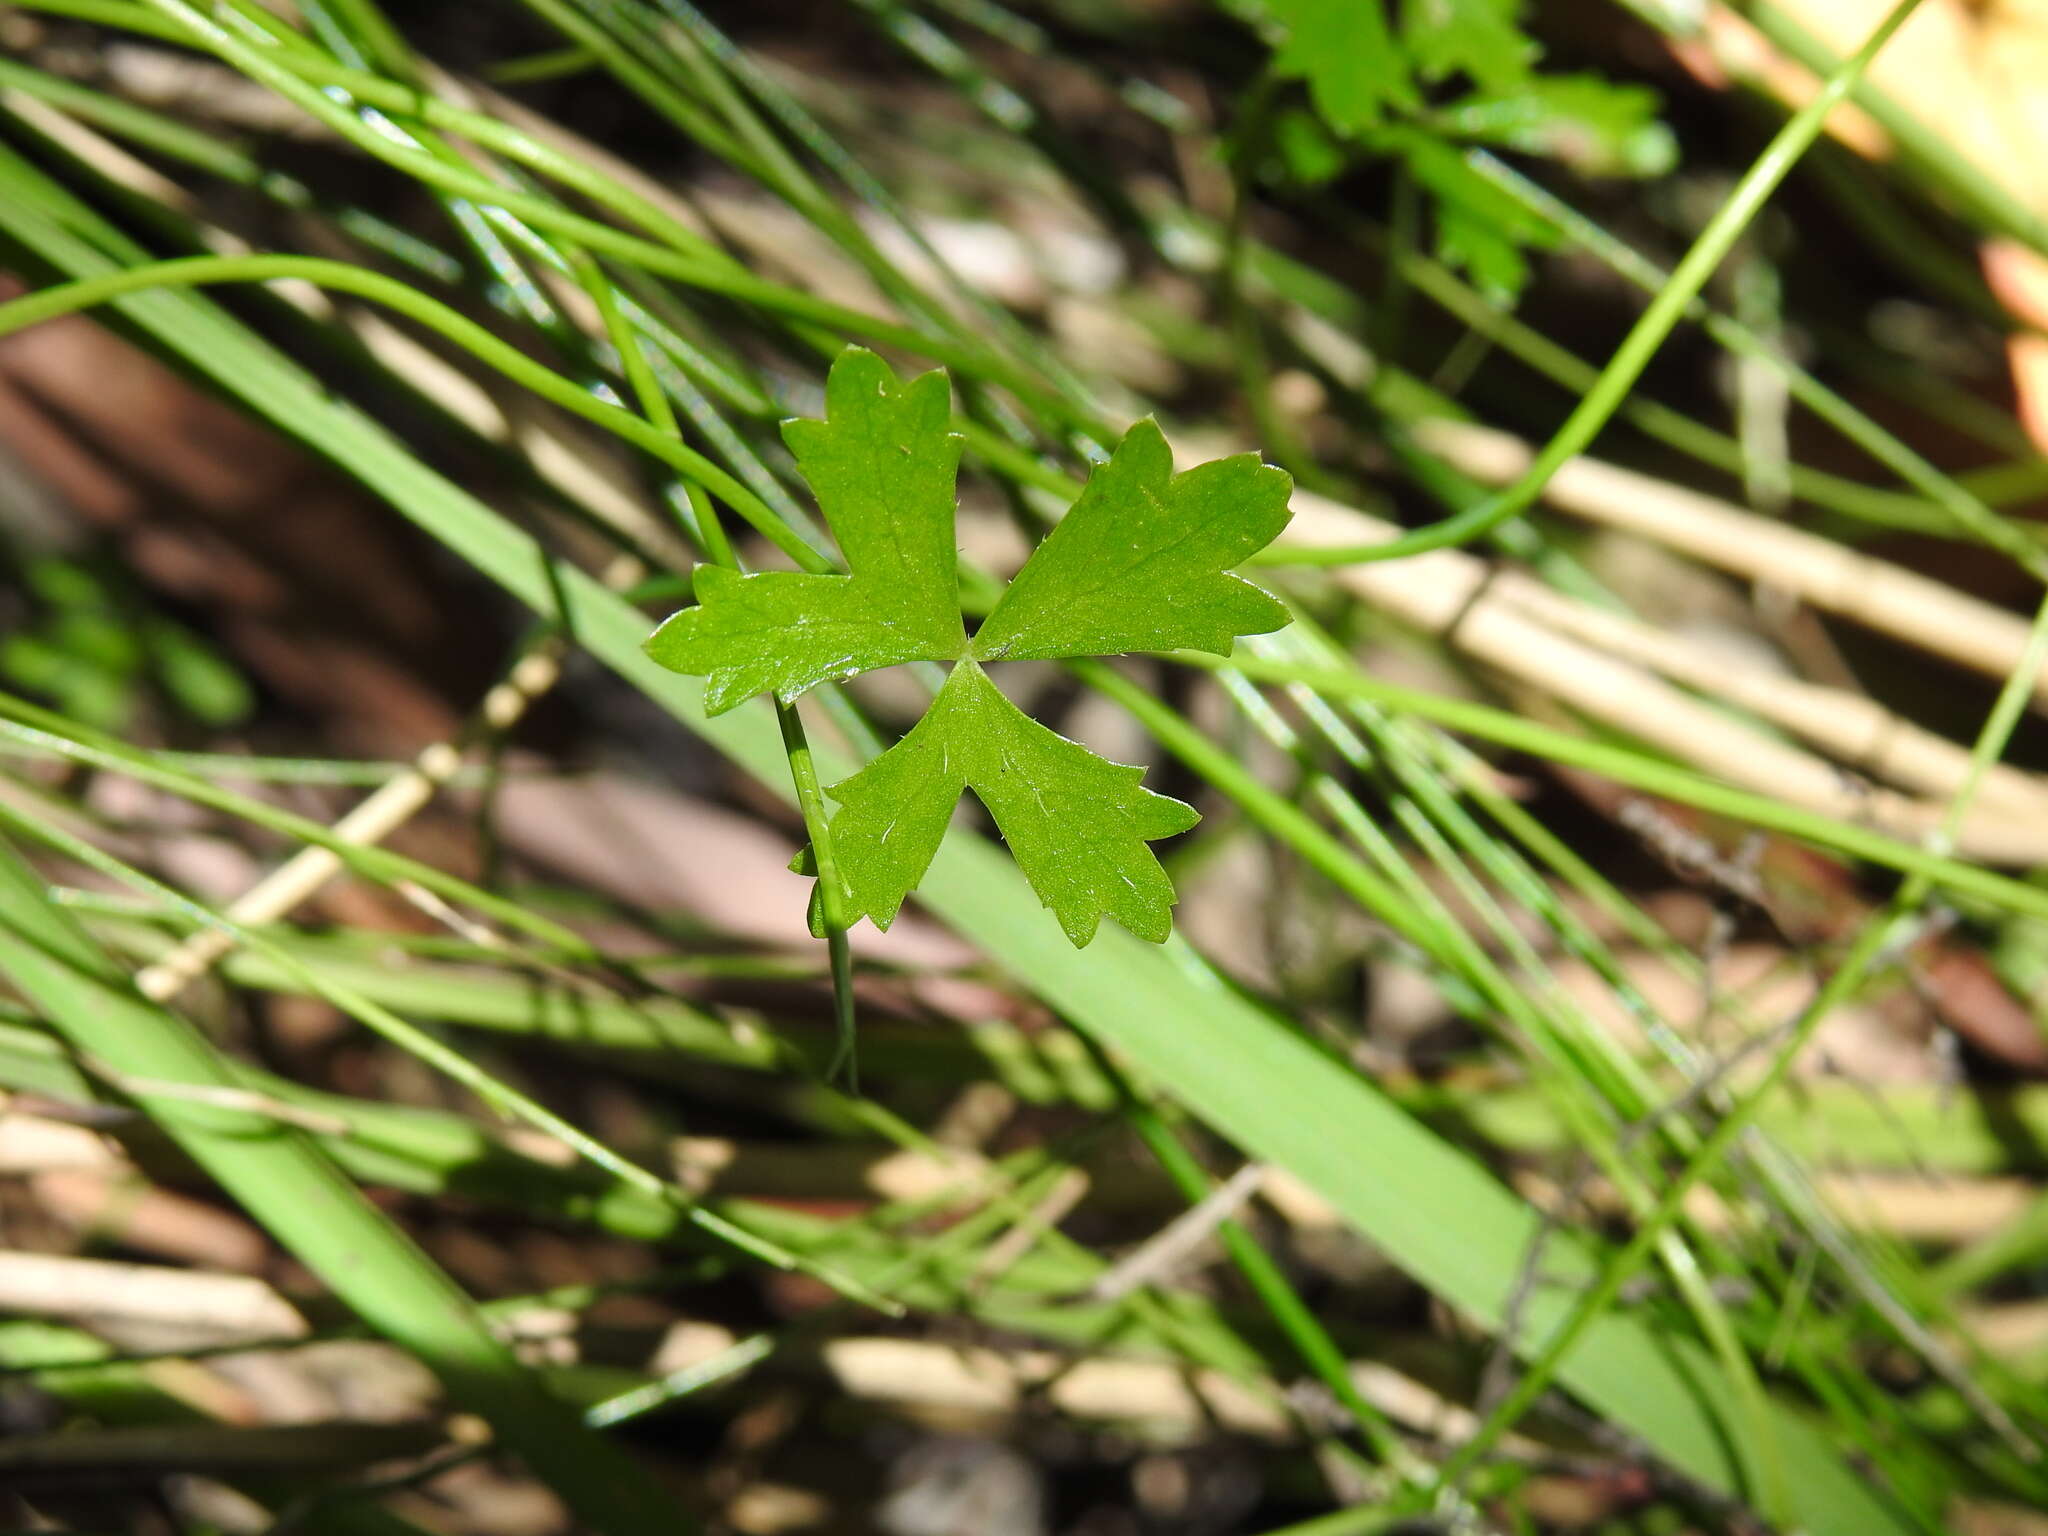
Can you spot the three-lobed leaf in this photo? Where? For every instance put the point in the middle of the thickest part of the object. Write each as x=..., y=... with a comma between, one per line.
x=1140, y=563
x=1480, y=38
x=882, y=464
x=1479, y=227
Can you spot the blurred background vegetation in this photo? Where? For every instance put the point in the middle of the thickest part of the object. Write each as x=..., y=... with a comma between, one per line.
x=1596, y=1080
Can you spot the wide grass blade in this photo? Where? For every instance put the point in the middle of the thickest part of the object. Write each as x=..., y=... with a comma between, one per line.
x=303, y=1200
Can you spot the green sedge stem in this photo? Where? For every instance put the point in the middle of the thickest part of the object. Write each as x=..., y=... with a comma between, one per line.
x=202, y=271
x=686, y=256
x=1961, y=508
x=1876, y=939
x=444, y=1058
x=708, y=533
x=1304, y=1331
x=43, y=729
x=299, y=1194
x=1818, y=488
x=1928, y=146
x=1643, y=773
x=551, y=64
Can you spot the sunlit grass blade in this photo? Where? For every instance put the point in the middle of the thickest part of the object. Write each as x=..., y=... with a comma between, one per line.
x=300, y=1197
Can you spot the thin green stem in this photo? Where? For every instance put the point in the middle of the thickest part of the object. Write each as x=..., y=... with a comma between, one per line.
x=1593, y=1081
x=1928, y=147
x=305, y=77
x=803, y=772
x=47, y=731
x=1318, y=1351
x=1648, y=334
x=831, y=897
x=1646, y=774
x=549, y=64
x=1964, y=509
x=202, y=271
x=704, y=529
x=443, y=1058
x=1877, y=938
x=1271, y=810
x=1926, y=513
x=298, y=1194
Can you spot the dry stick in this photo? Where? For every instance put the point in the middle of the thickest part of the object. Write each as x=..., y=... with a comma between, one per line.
x=389, y=807
x=1876, y=593
x=985, y=1380
x=1161, y=1254
x=1907, y=1207
x=235, y=1307
x=247, y=1100
x=1068, y=1191
x=1457, y=596
x=1849, y=727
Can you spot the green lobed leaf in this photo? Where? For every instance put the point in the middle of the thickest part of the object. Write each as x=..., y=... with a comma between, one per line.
x=782, y=632
x=1140, y=562
x=1348, y=57
x=882, y=465
x=1076, y=823
x=1592, y=125
x=1446, y=1219
x=1369, y=89
x=1308, y=153
x=1478, y=226
x=1479, y=37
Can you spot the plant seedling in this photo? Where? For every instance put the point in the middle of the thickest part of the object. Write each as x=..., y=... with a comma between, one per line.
x=1140, y=563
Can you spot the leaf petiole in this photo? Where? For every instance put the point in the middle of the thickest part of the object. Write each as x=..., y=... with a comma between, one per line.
x=831, y=893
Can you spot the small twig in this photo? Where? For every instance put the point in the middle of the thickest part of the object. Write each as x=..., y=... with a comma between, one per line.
x=380, y=814
x=238, y=1307
x=1688, y=853
x=1902, y=603
x=1068, y=1191
x=1164, y=1252
x=1550, y=643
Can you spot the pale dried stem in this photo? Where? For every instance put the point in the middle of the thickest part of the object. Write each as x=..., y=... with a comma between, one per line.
x=1849, y=727
x=1518, y=628
x=976, y=1380
x=1907, y=1207
x=381, y=813
x=1878, y=594
x=1160, y=1256
x=1068, y=1191
x=232, y=1306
